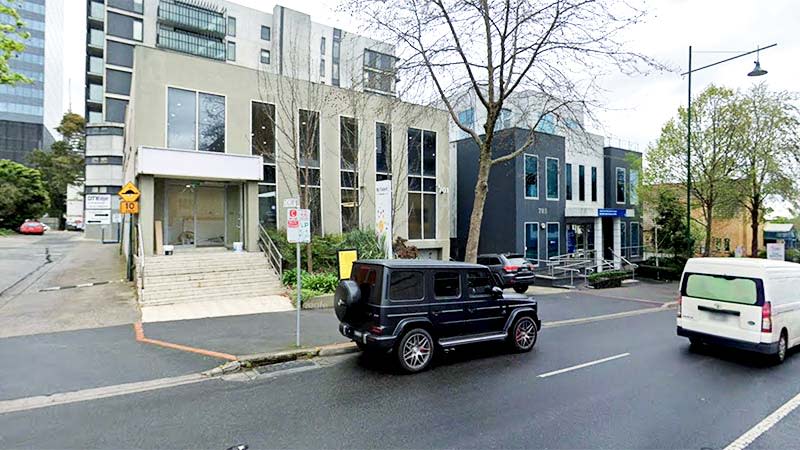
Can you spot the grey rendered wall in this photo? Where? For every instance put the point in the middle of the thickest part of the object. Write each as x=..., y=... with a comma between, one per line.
x=614, y=158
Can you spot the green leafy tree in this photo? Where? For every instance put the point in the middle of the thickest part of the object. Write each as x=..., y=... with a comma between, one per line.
x=22, y=194
x=63, y=163
x=671, y=224
x=717, y=145
x=12, y=35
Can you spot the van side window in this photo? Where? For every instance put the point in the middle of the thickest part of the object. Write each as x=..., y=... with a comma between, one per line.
x=446, y=284
x=479, y=283
x=405, y=285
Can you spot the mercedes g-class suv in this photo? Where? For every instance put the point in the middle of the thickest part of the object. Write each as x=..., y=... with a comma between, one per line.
x=411, y=308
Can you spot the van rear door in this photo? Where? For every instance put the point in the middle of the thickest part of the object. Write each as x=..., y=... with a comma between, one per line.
x=722, y=305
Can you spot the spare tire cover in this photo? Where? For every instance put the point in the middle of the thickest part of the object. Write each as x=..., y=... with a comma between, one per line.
x=346, y=300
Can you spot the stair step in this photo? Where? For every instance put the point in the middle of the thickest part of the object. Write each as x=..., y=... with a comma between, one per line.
x=200, y=297
x=184, y=270
x=222, y=290
x=196, y=285
x=209, y=276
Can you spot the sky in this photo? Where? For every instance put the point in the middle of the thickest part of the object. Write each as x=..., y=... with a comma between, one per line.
x=634, y=108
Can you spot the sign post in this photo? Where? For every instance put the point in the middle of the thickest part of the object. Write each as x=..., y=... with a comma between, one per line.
x=298, y=230
x=130, y=206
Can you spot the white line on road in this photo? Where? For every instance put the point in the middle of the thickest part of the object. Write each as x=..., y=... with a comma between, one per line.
x=760, y=428
x=581, y=366
x=43, y=401
x=590, y=319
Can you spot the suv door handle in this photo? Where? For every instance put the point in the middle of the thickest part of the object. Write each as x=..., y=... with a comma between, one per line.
x=471, y=310
x=435, y=313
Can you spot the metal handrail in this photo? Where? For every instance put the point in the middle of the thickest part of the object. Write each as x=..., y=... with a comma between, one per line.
x=633, y=266
x=271, y=251
x=140, y=251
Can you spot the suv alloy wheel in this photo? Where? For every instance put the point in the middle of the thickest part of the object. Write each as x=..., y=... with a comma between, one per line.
x=415, y=352
x=523, y=334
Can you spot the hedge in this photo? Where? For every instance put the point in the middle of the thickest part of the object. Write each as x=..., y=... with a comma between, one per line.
x=612, y=278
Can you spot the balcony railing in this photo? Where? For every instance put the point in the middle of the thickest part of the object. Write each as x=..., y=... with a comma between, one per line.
x=193, y=44
x=192, y=18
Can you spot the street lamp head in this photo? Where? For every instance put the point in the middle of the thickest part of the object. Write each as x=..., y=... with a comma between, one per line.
x=757, y=70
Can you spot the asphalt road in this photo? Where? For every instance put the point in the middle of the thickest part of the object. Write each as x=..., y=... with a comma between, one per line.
x=654, y=393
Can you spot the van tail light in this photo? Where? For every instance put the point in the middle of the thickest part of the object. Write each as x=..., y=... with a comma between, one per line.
x=766, y=318
x=376, y=330
x=510, y=269
x=680, y=298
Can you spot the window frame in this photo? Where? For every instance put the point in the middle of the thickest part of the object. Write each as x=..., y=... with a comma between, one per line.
x=230, y=50
x=568, y=181
x=525, y=174
x=263, y=52
x=547, y=239
x=196, y=116
x=230, y=26
x=459, y=276
x=525, y=239
x=547, y=180
x=350, y=170
x=581, y=183
x=617, y=171
x=408, y=300
x=422, y=177
x=388, y=173
x=594, y=183
x=269, y=33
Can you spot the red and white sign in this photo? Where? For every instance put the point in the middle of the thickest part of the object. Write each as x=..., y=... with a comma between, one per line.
x=298, y=225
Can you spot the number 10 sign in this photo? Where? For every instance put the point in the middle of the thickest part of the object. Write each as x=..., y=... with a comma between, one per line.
x=298, y=225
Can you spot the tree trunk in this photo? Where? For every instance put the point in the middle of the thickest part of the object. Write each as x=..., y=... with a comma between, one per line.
x=754, y=216
x=707, y=250
x=476, y=218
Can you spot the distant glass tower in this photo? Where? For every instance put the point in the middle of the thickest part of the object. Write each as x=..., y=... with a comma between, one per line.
x=29, y=113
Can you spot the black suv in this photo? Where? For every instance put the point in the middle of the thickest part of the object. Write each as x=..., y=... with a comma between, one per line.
x=413, y=307
x=511, y=271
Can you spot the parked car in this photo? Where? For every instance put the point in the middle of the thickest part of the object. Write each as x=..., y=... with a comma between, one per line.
x=749, y=304
x=410, y=308
x=512, y=271
x=32, y=227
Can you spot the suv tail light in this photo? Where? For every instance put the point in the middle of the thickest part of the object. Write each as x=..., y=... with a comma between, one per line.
x=680, y=298
x=376, y=330
x=766, y=317
x=510, y=269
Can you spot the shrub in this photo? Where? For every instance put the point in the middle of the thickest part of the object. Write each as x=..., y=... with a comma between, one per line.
x=23, y=194
x=366, y=242
x=305, y=295
x=324, y=248
x=319, y=282
x=659, y=273
x=608, y=275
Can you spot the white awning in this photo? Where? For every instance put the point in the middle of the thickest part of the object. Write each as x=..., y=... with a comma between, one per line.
x=197, y=165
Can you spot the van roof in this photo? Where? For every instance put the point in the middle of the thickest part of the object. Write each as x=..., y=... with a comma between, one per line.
x=738, y=266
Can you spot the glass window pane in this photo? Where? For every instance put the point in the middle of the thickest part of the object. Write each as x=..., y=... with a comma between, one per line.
x=479, y=283
x=230, y=54
x=414, y=151
x=429, y=184
x=635, y=239
x=620, y=185
x=309, y=138
x=634, y=185
x=415, y=216
x=349, y=210
x=119, y=54
x=552, y=178
x=726, y=289
x=581, y=183
x=181, y=123
x=124, y=26
x=531, y=176
x=429, y=153
x=414, y=184
x=532, y=240
x=262, y=121
x=231, y=26
x=552, y=240
x=594, y=184
x=383, y=148
x=348, y=179
x=269, y=173
x=118, y=82
x=265, y=57
x=348, y=142
x=429, y=216
x=623, y=235
x=405, y=285
x=446, y=284
x=267, y=210
x=115, y=110
x=568, y=180
x=211, y=132
x=266, y=33
x=314, y=204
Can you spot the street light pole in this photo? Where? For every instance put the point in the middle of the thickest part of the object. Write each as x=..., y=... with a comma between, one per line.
x=756, y=72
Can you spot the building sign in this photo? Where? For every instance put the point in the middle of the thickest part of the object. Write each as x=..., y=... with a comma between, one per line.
x=98, y=201
x=776, y=252
x=610, y=212
x=383, y=213
x=98, y=217
x=298, y=225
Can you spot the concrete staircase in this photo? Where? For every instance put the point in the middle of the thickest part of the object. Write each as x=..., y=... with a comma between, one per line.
x=207, y=275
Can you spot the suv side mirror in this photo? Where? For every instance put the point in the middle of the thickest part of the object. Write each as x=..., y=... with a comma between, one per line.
x=497, y=292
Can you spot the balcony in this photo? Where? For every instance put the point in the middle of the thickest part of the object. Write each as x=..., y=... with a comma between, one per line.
x=193, y=44
x=192, y=18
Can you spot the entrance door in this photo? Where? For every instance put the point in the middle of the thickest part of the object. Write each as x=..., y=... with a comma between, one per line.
x=233, y=215
x=210, y=216
x=179, y=228
x=553, y=241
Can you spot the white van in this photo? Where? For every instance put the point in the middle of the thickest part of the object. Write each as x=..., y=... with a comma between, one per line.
x=750, y=304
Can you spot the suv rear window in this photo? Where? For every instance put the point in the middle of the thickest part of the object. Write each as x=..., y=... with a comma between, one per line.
x=369, y=281
x=517, y=261
x=722, y=288
x=405, y=285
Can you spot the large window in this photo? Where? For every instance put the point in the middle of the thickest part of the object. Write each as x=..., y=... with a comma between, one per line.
x=124, y=26
x=635, y=239
x=231, y=28
x=336, y=48
x=406, y=285
x=118, y=82
x=503, y=120
x=309, y=138
x=621, y=185
x=594, y=184
x=568, y=180
x=310, y=187
x=531, y=176
x=547, y=124
x=196, y=121
x=266, y=33
x=191, y=43
x=421, y=184
x=119, y=54
x=623, y=236
x=552, y=179
x=553, y=239
x=379, y=71
x=115, y=110
x=262, y=132
x=532, y=240
x=581, y=183
x=634, y=186
x=383, y=151
x=348, y=147
x=128, y=5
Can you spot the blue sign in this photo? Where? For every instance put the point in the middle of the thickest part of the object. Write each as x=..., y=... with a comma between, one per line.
x=610, y=212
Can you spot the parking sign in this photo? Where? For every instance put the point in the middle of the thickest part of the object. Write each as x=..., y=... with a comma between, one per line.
x=298, y=225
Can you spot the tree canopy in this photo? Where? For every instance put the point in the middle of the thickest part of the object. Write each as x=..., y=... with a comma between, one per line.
x=12, y=37
x=22, y=194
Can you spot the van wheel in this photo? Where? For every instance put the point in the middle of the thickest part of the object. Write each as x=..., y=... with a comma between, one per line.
x=415, y=352
x=783, y=346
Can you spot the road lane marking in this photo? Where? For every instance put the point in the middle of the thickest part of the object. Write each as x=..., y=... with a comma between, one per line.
x=44, y=401
x=581, y=366
x=582, y=320
x=762, y=427
x=629, y=299
x=138, y=330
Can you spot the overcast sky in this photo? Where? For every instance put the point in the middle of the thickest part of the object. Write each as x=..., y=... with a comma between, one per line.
x=635, y=108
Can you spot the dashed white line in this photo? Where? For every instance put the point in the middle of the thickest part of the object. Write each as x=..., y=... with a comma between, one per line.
x=760, y=428
x=581, y=366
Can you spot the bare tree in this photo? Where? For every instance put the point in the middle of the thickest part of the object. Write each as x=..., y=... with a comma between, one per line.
x=494, y=49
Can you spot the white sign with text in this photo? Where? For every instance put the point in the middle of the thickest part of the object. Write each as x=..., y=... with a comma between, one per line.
x=298, y=225
x=776, y=252
x=383, y=213
x=98, y=201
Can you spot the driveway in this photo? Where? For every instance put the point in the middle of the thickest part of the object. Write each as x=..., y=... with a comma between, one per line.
x=30, y=264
